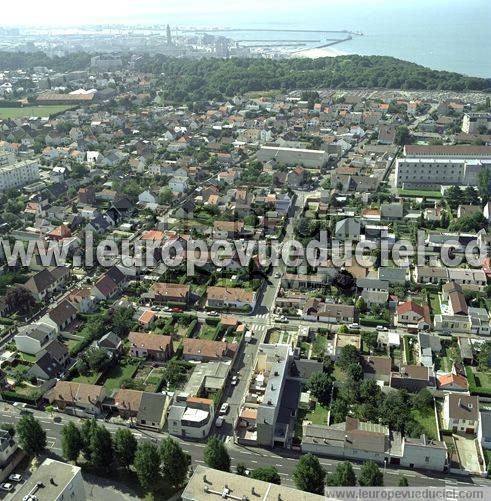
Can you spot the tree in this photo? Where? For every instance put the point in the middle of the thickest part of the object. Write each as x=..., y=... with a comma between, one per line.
x=339, y=410
x=122, y=321
x=402, y=136
x=86, y=431
x=175, y=462
x=216, y=455
x=342, y=476
x=241, y=469
x=320, y=384
x=101, y=447
x=347, y=356
x=395, y=410
x=165, y=196
x=20, y=300
x=360, y=304
x=147, y=464
x=309, y=476
x=71, y=441
x=125, y=445
x=354, y=372
x=370, y=475
x=32, y=438
x=422, y=400
x=483, y=179
x=370, y=338
x=403, y=482
x=266, y=474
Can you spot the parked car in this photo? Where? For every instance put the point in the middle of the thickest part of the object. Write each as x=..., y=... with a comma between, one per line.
x=234, y=381
x=381, y=328
x=15, y=477
x=354, y=326
x=282, y=320
x=219, y=421
x=213, y=313
x=224, y=408
x=7, y=486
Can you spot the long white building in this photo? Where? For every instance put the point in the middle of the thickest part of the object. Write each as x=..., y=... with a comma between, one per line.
x=293, y=156
x=434, y=166
x=18, y=174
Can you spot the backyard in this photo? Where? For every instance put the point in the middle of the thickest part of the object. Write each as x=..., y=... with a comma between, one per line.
x=119, y=373
x=427, y=421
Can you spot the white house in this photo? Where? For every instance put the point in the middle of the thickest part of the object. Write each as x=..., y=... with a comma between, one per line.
x=461, y=413
x=31, y=339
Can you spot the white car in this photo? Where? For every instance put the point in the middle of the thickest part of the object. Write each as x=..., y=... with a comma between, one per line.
x=219, y=421
x=277, y=274
x=16, y=477
x=235, y=381
x=381, y=328
x=224, y=408
x=354, y=326
x=213, y=313
x=282, y=320
x=7, y=487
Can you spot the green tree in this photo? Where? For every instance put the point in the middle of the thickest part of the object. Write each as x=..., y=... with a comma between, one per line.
x=125, y=445
x=320, y=384
x=342, y=476
x=241, y=469
x=370, y=475
x=71, y=441
x=266, y=474
x=403, y=482
x=86, y=431
x=422, y=400
x=309, y=476
x=347, y=356
x=101, y=448
x=31, y=437
x=216, y=455
x=147, y=465
x=175, y=462
x=165, y=196
x=20, y=300
x=402, y=136
x=339, y=410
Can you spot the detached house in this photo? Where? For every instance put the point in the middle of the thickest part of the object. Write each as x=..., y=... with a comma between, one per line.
x=227, y=297
x=31, y=339
x=61, y=316
x=461, y=413
x=413, y=316
x=150, y=346
x=206, y=350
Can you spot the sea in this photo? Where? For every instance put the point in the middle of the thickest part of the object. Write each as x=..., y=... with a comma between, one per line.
x=453, y=35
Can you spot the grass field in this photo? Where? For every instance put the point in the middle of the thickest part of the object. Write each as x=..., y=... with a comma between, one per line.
x=420, y=193
x=427, y=420
x=118, y=374
x=318, y=415
x=32, y=111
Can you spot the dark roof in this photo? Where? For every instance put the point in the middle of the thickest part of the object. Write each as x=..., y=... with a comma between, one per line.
x=303, y=368
x=151, y=407
x=56, y=349
x=116, y=275
x=49, y=365
x=63, y=312
x=106, y=285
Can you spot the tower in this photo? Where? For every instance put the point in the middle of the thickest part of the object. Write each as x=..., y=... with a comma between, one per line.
x=169, y=36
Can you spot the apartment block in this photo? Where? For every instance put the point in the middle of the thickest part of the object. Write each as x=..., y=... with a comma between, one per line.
x=18, y=174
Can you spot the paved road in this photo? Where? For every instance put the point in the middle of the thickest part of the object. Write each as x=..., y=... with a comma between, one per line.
x=284, y=460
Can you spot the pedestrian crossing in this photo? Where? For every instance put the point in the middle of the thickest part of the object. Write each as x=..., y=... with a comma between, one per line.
x=264, y=316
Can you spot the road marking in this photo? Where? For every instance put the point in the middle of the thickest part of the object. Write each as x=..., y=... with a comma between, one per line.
x=290, y=459
x=284, y=474
x=253, y=461
x=280, y=465
x=200, y=445
x=198, y=461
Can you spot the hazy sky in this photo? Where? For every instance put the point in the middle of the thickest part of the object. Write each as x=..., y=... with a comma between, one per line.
x=63, y=12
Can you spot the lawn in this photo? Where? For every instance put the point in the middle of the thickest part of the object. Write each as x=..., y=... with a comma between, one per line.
x=317, y=415
x=420, y=193
x=91, y=378
x=483, y=379
x=427, y=420
x=319, y=346
x=119, y=373
x=32, y=111
x=408, y=351
x=207, y=332
x=27, y=358
x=435, y=303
